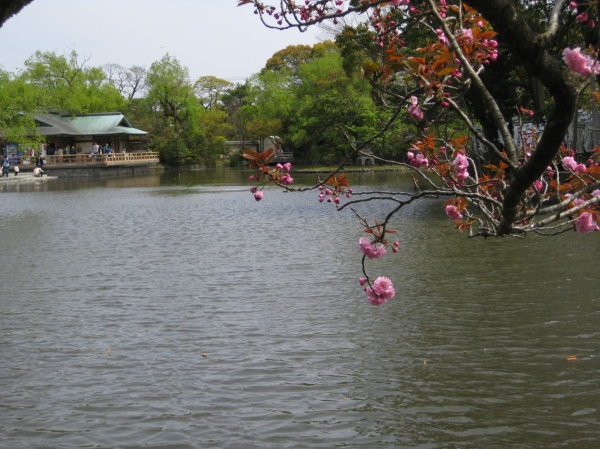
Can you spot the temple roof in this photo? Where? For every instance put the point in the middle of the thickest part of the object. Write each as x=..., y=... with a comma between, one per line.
x=109, y=123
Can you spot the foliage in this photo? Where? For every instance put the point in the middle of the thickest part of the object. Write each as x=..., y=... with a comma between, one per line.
x=178, y=111
x=66, y=85
x=18, y=100
x=210, y=89
x=329, y=105
x=293, y=56
x=215, y=126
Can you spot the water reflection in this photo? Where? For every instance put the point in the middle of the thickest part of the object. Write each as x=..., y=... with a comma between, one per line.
x=163, y=268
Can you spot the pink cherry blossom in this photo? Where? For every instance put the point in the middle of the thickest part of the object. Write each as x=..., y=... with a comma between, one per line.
x=372, y=251
x=538, y=185
x=362, y=281
x=287, y=167
x=585, y=223
x=596, y=192
x=576, y=201
x=578, y=63
x=442, y=37
x=461, y=162
x=253, y=189
x=258, y=195
x=571, y=164
x=381, y=291
x=421, y=160
x=468, y=33
x=286, y=179
x=414, y=109
x=583, y=17
x=453, y=212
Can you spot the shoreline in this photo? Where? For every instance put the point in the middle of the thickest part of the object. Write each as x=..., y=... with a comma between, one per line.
x=24, y=178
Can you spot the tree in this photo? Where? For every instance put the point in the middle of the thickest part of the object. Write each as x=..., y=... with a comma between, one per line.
x=170, y=89
x=68, y=86
x=210, y=89
x=177, y=111
x=521, y=193
x=293, y=56
x=329, y=105
x=272, y=104
x=18, y=100
x=129, y=82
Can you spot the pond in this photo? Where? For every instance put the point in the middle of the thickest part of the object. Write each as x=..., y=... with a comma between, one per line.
x=175, y=311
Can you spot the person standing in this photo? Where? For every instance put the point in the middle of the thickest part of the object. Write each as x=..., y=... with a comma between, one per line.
x=40, y=163
x=95, y=151
x=16, y=168
x=5, y=166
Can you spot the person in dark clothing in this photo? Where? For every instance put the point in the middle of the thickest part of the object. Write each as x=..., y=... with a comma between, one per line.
x=5, y=166
x=40, y=163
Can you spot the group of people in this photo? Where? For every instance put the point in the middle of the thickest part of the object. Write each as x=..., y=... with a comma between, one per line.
x=69, y=150
x=6, y=166
x=96, y=150
x=37, y=171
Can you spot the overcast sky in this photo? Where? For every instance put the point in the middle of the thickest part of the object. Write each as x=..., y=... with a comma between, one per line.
x=209, y=37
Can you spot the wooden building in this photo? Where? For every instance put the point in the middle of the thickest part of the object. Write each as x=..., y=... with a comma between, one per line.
x=81, y=131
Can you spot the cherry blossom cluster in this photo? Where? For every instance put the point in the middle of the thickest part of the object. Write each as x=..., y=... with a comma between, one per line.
x=582, y=17
x=584, y=65
x=371, y=250
x=571, y=164
x=418, y=161
x=453, y=212
x=461, y=165
x=333, y=196
x=280, y=175
x=414, y=110
x=382, y=289
x=586, y=223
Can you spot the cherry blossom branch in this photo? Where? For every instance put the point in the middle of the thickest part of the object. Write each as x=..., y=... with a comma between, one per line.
x=486, y=97
x=478, y=135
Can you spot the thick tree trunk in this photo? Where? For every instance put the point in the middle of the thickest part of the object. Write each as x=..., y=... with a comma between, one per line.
x=530, y=47
x=8, y=8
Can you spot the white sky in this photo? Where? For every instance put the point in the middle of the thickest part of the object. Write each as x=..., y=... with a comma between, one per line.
x=209, y=37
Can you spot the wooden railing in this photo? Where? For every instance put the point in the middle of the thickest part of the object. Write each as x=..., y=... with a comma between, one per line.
x=91, y=159
x=283, y=156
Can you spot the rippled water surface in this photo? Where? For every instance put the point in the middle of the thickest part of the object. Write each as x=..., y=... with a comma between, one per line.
x=236, y=324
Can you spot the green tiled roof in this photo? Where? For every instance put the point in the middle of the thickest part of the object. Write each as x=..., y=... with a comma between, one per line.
x=109, y=123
